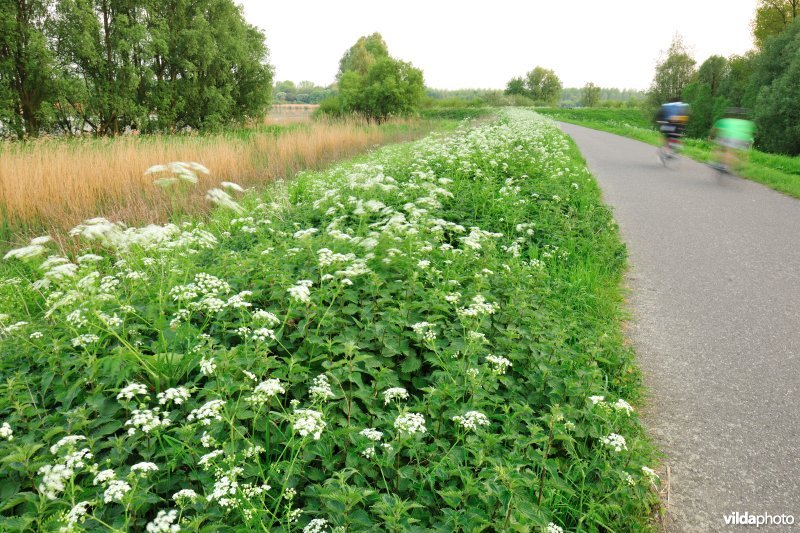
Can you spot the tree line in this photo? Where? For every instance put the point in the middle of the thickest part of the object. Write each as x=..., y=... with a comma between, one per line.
x=764, y=81
x=106, y=66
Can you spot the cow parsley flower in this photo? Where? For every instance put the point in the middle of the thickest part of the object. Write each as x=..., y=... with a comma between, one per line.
x=207, y=366
x=615, y=441
x=650, y=474
x=207, y=412
x=177, y=395
x=321, y=389
x=54, y=478
x=471, y=420
x=68, y=442
x=394, y=393
x=372, y=434
x=498, y=363
x=318, y=525
x=104, y=476
x=184, y=496
x=143, y=469
x=309, y=422
x=75, y=516
x=410, y=423
x=301, y=292
x=6, y=432
x=232, y=186
x=552, y=528
x=147, y=420
x=132, y=390
x=424, y=330
x=163, y=522
x=116, y=490
x=596, y=399
x=223, y=199
x=622, y=405
x=266, y=390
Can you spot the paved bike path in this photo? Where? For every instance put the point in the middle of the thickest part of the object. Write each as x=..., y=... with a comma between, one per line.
x=715, y=295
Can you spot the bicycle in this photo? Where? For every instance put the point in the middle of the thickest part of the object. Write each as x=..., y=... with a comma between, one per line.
x=669, y=152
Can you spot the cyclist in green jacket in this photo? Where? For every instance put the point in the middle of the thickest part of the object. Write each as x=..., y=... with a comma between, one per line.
x=733, y=134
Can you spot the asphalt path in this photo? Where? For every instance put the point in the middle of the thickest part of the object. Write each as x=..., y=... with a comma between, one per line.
x=715, y=294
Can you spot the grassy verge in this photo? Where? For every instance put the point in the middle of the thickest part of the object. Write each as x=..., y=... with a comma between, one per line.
x=779, y=172
x=54, y=184
x=425, y=339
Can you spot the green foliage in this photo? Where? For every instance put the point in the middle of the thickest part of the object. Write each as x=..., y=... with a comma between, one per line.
x=543, y=85
x=516, y=86
x=107, y=65
x=470, y=281
x=775, y=93
x=674, y=71
x=373, y=84
x=26, y=66
x=772, y=17
x=305, y=92
x=590, y=95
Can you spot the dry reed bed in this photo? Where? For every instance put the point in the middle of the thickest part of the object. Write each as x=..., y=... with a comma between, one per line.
x=52, y=185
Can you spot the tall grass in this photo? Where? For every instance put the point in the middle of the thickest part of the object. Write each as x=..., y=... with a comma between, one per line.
x=50, y=185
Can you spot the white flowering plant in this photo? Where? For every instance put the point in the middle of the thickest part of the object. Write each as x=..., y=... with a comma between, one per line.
x=373, y=347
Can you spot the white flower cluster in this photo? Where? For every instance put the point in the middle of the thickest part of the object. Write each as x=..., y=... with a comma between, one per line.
x=615, y=441
x=317, y=525
x=478, y=307
x=81, y=341
x=410, y=423
x=394, y=393
x=142, y=469
x=425, y=330
x=116, y=490
x=223, y=199
x=177, y=395
x=207, y=366
x=266, y=390
x=147, y=420
x=308, y=422
x=320, y=389
x=301, y=292
x=184, y=496
x=163, y=522
x=650, y=474
x=553, y=528
x=75, y=516
x=622, y=405
x=471, y=420
x=265, y=316
x=207, y=412
x=6, y=432
x=498, y=363
x=371, y=434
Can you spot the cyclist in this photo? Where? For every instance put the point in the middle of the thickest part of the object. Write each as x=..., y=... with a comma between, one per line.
x=733, y=133
x=672, y=118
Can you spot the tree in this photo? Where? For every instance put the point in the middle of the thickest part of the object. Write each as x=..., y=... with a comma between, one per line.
x=772, y=17
x=362, y=55
x=590, y=95
x=673, y=73
x=712, y=72
x=543, y=85
x=26, y=65
x=373, y=83
x=516, y=86
x=774, y=92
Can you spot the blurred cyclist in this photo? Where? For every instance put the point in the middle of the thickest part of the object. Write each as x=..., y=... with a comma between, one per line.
x=733, y=134
x=672, y=118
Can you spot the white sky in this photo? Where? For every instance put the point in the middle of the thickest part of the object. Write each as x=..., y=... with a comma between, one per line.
x=467, y=44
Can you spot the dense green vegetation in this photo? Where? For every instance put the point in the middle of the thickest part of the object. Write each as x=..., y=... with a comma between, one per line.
x=104, y=66
x=373, y=84
x=305, y=92
x=780, y=172
x=428, y=338
x=541, y=85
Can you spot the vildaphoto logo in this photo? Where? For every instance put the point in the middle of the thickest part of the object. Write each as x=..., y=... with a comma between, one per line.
x=764, y=519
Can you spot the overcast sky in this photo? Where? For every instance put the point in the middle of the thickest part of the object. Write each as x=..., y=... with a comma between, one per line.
x=466, y=44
